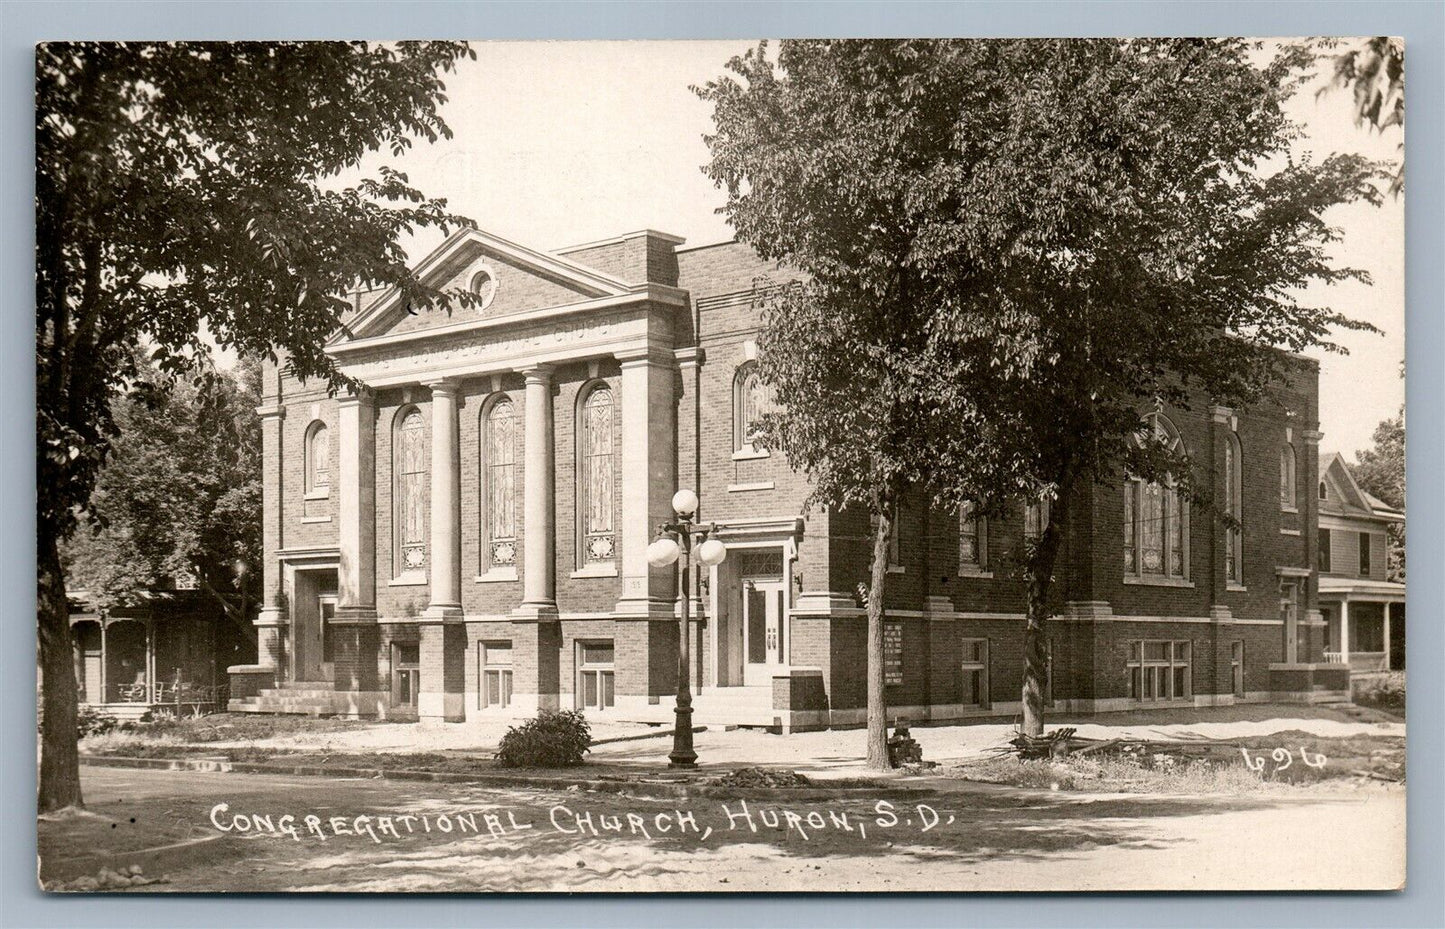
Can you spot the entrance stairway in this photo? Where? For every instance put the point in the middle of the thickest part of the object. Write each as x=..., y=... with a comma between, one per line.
x=299, y=698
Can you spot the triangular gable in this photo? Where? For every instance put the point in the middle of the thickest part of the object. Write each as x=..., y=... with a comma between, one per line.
x=1344, y=482
x=467, y=247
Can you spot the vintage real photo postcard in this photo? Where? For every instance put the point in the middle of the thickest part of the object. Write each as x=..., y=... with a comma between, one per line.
x=840, y=465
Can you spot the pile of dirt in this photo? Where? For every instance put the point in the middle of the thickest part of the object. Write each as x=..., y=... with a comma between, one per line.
x=761, y=777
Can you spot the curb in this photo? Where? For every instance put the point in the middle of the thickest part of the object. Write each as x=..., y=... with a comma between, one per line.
x=851, y=789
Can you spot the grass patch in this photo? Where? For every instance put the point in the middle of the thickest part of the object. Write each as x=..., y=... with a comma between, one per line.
x=1277, y=763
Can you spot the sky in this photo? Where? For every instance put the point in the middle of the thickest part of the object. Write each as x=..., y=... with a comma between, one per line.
x=561, y=143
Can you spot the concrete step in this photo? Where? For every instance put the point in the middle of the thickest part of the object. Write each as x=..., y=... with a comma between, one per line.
x=306, y=685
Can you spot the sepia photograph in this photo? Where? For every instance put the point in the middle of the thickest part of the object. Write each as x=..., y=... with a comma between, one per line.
x=794, y=465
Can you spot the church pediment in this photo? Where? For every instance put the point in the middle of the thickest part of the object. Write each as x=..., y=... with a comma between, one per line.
x=509, y=278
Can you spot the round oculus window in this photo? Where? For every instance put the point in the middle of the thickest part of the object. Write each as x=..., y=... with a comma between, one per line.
x=484, y=285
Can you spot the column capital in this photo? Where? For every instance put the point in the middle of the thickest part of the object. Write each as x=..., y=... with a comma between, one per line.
x=539, y=374
x=690, y=356
x=363, y=397
x=645, y=355
x=274, y=411
x=445, y=386
x=1222, y=414
x=1312, y=436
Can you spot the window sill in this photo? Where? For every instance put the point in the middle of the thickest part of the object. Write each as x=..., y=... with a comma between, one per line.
x=497, y=576
x=1235, y=588
x=1138, y=581
x=315, y=519
x=412, y=579
x=897, y=569
x=600, y=570
x=323, y=494
x=1289, y=509
x=976, y=573
x=742, y=488
x=1284, y=531
x=749, y=453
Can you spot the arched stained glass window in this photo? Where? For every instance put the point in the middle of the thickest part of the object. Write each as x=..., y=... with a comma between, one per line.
x=751, y=401
x=1156, y=516
x=595, y=477
x=410, y=499
x=318, y=459
x=499, y=450
x=1234, y=507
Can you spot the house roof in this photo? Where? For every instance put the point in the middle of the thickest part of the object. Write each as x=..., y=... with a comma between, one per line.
x=1349, y=499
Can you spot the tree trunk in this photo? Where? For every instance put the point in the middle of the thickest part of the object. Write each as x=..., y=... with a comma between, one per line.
x=1038, y=580
x=877, y=701
x=59, y=757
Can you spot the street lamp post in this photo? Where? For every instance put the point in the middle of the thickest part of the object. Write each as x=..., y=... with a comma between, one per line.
x=674, y=540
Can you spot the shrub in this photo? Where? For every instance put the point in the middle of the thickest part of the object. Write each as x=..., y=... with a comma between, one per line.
x=548, y=740
x=91, y=721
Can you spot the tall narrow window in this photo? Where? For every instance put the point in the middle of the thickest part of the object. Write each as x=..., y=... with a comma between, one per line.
x=1287, y=489
x=499, y=447
x=318, y=459
x=1156, y=516
x=1323, y=558
x=410, y=500
x=975, y=673
x=1234, y=503
x=495, y=671
x=1036, y=519
x=972, y=540
x=752, y=399
x=1364, y=554
x=599, y=542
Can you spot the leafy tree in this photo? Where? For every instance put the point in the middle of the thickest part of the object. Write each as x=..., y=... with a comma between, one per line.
x=1375, y=71
x=1381, y=471
x=1007, y=273
x=189, y=188
x=178, y=496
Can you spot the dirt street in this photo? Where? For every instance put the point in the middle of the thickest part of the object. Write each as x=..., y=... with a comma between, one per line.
x=321, y=834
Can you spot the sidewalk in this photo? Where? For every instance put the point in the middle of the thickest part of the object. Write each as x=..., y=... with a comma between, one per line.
x=840, y=753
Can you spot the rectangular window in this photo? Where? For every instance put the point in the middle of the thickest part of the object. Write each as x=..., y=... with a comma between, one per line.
x=1322, y=554
x=595, y=676
x=1364, y=554
x=1159, y=670
x=1036, y=519
x=975, y=673
x=1236, y=668
x=892, y=653
x=495, y=660
x=405, y=673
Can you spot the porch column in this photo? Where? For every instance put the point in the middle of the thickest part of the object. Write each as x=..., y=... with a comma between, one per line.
x=356, y=512
x=150, y=659
x=1345, y=631
x=1386, y=610
x=443, y=633
x=649, y=478
x=104, y=659
x=271, y=621
x=445, y=556
x=539, y=590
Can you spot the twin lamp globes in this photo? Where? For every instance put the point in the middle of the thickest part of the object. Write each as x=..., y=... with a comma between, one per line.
x=666, y=550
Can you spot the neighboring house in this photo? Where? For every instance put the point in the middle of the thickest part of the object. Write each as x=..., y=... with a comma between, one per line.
x=169, y=652
x=1364, y=613
x=467, y=538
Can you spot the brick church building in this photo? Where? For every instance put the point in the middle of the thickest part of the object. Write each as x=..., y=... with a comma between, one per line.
x=466, y=539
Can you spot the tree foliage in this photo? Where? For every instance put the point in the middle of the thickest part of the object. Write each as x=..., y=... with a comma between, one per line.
x=186, y=192
x=178, y=495
x=1014, y=248
x=1374, y=71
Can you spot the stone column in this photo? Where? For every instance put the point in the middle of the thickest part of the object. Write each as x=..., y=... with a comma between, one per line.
x=539, y=591
x=356, y=513
x=357, y=636
x=649, y=478
x=1345, y=631
x=445, y=555
x=443, y=636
